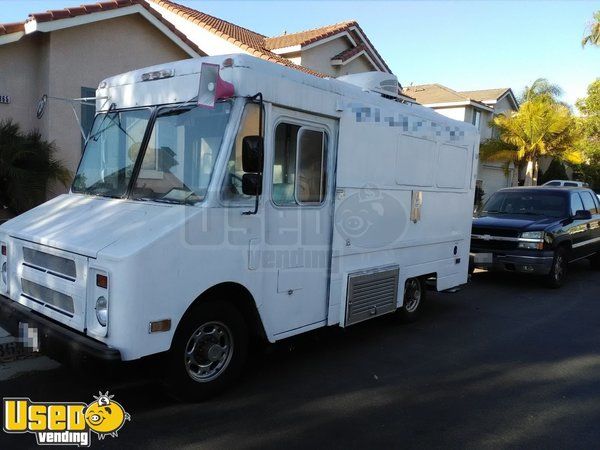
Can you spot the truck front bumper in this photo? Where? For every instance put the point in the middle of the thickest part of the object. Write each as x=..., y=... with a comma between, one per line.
x=54, y=339
x=539, y=264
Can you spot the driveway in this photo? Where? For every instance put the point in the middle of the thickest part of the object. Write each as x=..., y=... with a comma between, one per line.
x=503, y=363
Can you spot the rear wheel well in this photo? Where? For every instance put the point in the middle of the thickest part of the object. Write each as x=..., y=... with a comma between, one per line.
x=238, y=296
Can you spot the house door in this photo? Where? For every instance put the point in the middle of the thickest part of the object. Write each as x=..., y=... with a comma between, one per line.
x=300, y=150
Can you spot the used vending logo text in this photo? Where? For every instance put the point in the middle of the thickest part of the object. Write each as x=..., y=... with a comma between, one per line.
x=64, y=423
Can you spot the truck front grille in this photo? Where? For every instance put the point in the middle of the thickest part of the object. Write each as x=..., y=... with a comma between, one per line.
x=48, y=297
x=55, y=265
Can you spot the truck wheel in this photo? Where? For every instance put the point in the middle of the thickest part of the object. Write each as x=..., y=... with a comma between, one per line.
x=558, y=272
x=208, y=352
x=595, y=261
x=414, y=296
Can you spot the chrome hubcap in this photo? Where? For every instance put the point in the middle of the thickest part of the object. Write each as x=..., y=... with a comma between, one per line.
x=412, y=295
x=208, y=351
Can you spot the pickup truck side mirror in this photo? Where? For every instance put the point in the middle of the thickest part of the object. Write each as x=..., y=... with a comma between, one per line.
x=252, y=184
x=582, y=214
x=252, y=154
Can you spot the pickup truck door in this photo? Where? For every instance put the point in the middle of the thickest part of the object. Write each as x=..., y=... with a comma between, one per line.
x=579, y=230
x=590, y=202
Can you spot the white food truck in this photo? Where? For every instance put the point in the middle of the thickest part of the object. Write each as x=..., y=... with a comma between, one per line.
x=225, y=198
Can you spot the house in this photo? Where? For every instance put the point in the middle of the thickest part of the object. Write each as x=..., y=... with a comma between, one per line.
x=478, y=108
x=67, y=52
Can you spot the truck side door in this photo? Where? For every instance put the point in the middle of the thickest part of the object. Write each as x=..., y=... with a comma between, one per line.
x=593, y=225
x=577, y=229
x=298, y=219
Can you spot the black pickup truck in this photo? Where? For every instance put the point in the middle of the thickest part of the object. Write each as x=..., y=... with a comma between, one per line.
x=537, y=230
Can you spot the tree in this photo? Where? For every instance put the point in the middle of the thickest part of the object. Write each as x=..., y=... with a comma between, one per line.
x=590, y=125
x=27, y=165
x=541, y=88
x=592, y=36
x=556, y=171
x=541, y=127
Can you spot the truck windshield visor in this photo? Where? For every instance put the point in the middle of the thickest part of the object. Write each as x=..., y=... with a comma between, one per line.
x=180, y=157
x=112, y=147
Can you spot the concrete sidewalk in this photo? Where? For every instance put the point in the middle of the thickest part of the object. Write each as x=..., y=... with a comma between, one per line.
x=14, y=361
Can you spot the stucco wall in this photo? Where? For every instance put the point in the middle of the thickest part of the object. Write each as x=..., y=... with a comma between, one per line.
x=19, y=79
x=61, y=62
x=453, y=113
x=319, y=58
x=83, y=56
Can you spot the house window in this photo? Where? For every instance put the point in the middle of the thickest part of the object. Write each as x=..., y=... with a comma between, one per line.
x=299, y=166
x=88, y=111
x=476, y=118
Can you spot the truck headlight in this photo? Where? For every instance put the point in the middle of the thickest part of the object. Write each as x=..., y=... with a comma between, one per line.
x=532, y=240
x=102, y=310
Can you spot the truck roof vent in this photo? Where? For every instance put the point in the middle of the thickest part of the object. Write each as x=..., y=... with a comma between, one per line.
x=383, y=83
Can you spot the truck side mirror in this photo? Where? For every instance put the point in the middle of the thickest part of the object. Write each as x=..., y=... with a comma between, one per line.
x=252, y=184
x=582, y=214
x=252, y=154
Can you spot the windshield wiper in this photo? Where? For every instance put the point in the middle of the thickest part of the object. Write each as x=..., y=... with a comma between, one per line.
x=168, y=200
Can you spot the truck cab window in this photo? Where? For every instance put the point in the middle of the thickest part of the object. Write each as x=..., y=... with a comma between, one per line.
x=588, y=202
x=299, y=166
x=181, y=154
x=576, y=203
x=231, y=191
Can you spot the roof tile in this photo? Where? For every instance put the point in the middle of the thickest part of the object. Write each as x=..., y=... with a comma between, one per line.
x=248, y=40
x=13, y=27
x=58, y=14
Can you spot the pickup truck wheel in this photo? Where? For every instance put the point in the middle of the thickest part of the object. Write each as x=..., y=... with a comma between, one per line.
x=558, y=272
x=595, y=261
x=414, y=296
x=208, y=351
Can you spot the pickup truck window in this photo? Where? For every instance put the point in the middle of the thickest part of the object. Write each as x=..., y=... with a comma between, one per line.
x=588, y=202
x=527, y=203
x=576, y=203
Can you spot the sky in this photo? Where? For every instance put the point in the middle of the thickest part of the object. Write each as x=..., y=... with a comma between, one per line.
x=464, y=45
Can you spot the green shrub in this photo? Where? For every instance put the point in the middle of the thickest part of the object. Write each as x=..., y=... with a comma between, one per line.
x=27, y=165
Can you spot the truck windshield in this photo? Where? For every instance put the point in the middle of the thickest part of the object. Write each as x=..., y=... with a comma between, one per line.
x=107, y=164
x=177, y=161
x=527, y=203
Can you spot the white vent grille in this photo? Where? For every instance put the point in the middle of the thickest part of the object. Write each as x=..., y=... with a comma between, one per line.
x=371, y=294
x=49, y=297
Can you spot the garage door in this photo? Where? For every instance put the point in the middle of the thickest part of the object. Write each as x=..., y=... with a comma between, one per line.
x=493, y=179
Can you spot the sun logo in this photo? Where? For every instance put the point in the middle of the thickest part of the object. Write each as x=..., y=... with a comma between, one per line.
x=105, y=416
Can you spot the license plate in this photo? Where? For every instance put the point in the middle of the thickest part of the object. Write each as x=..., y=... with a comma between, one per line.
x=483, y=258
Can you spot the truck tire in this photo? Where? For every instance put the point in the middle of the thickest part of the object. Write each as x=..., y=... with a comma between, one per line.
x=414, y=297
x=208, y=352
x=595, y=261
x=558, y=272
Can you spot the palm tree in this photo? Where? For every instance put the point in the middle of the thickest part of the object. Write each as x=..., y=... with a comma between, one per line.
x=27, y=165
x=541, y=88
x=593, y=32
x=539, y=128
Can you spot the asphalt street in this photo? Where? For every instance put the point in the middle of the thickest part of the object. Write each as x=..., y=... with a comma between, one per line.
x=504, y=363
